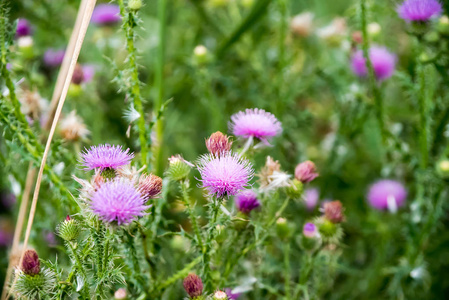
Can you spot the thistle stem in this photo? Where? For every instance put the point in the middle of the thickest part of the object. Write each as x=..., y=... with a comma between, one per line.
x=193, y=219
x=287, y=270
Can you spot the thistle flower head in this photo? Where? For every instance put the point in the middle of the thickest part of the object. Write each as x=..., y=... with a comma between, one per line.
x=383, y=62
x=419, y=10
x=53, y=57
x=246, y=201
x=105, y=156
x=231, y=295
x=23, y=28
x=118, y=201
x=106, y=14
x=387, y=194
x=193, y=285
x=220, y=295
x=306, y=172
x=225, y=175
x=150, y=185
x=255, y=123
x=311, y=197
x=30, y=263
x=333, y=211
x=310, y=230
x=218, y=143
x=72, y=127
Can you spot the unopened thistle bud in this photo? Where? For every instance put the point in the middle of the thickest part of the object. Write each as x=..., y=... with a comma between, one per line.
x=178, y=168
x=135, y=4
x=443, y=168
x=193, y=285
x=120, y=294
x=150, y=185
x=283, y=228
x=333, y=211
x=306, y=172
x=220, y=295
x=310, y=240
x=30, y=263
x=218, y=143
x=69, y=229
x=78, y=75
x=295, y=189
x=310, y=230
x=443, y=25
x=374, y=29
x=201, y=54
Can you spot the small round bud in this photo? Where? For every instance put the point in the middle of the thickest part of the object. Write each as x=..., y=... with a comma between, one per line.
x=178, y=168
x=310, y=230
x=443, y=168
x=327, y=228
x=306, y=172
x=78, y=75
x=135, y=4
x=25, y=45
x=120, y=294
x=443, y=25
x=302, y=24
x=69, y=229
x=220, y=295
x=218, y=143
x=193, y=285
x=374, y=29
x=30, y=263
x=295, y=189
x=283, y=228
x=333, y=211
x=201, y=54
x=150, y=185
x=310, y=240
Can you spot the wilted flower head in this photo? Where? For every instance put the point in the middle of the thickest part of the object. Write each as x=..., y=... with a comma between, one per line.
x=383, y=62
x=72, y=127
x=385, y=194
x=218, y=143
x=311, y=197
x=32, y=104
x=231, y=295
x=118, y=201
x=256, y=123
x=310, y=230
x=419, y=10
x=224, y=175
x=193, y=285
x=78, y=75
x=30, y=263
x=246, y=201
x=302, y=24
x=53, y=57
x=105, y=156
x=333, y=211
x=150, y=185
x=23, y=28
x=220, y=295
x=106, y=14
x=306, y=171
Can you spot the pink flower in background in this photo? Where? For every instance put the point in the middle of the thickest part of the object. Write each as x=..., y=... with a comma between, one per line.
x=53, y=57
x=383, y=62
x=419, y=10
x=106, y=14
x=23, y=28
x=88, y=73
x=387, y=194
x=306, y=172
x=311, y=198
x=255, y=123
x=105, y=156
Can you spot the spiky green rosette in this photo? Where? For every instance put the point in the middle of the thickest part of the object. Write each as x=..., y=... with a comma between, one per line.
x=108, y=173
x=35, y=286
x=69, y=229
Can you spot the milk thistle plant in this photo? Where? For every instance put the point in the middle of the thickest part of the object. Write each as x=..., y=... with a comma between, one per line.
x=223, y=150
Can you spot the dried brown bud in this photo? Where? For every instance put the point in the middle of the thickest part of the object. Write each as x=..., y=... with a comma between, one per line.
x=30, y=263
x=150, y=185
x=78, y=75
x=218, y=143
x=306, y=172
x=333, y=211
x=193, y=285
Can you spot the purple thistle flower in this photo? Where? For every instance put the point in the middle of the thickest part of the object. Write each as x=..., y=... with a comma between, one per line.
x=387, y=194
x=224, y=175
x=382, y=60
x=310, y=230
x=88, y=72
x=256, y=123
x=246, y=201
x=231, y=295
x=105, y=156
x=419, y=10
x=53, y=57
x=118, y=201
x=23, y=28
x=106, y=14
x=311, y=197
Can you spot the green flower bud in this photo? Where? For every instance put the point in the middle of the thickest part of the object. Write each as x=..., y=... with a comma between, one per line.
x=69, y=229
x=329, y=231
x=443, y=168
x=443, y=25
x=201, y=55
x=309, y=244
x=34, y=286
x=135, y=4
x=284, y=229
x=295, y=189
x=178, y=168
